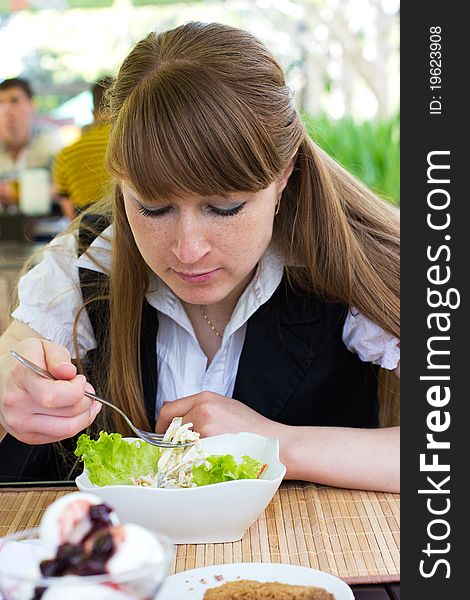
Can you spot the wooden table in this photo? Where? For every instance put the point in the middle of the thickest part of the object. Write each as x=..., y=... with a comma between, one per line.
x=351, y=534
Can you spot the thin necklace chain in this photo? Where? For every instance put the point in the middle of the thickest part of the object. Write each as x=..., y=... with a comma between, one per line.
x=210, y=323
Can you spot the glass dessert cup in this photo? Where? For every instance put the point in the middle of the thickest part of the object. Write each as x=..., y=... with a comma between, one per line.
x=21, y=579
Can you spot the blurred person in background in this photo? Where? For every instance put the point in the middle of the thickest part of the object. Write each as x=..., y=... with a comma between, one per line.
x=79, y=174
x=24, y=143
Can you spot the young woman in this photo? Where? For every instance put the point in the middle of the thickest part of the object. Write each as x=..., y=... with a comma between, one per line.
x=239, y=278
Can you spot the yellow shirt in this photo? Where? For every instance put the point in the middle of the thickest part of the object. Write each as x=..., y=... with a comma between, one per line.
x=79, y=169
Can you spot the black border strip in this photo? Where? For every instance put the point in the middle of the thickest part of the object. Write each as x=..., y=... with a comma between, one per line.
x=438, y=128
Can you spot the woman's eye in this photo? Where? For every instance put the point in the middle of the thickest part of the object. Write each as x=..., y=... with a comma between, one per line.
x=159, y=212
x=227, y=212
x=155, y=212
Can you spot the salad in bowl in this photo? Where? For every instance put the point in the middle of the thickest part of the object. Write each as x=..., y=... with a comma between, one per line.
x=211, y=491
x=114, y=460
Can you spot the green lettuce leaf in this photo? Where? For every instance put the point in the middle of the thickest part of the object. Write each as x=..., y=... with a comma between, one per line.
x=110, y=460
x=225, y=468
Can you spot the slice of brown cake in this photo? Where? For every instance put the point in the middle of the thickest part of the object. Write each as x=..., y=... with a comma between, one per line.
x=244, y=589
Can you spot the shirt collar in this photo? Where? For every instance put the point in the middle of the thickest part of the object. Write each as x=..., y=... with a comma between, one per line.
x=267, y=278
x=97, y=257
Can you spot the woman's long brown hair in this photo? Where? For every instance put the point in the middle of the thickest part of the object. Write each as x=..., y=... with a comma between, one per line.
x=204, y=109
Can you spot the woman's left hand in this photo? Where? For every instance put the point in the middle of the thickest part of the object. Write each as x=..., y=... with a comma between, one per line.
x=347, y=457
x=213, y=414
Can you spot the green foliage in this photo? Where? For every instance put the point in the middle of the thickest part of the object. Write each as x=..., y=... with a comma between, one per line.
x=370, y=150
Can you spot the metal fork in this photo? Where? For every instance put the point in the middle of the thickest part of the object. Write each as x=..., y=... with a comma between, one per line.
x=156, y=439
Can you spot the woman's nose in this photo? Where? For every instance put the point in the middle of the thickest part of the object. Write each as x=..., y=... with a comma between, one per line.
x=190, y=244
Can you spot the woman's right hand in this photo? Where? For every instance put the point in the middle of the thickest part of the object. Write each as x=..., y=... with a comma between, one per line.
x=36, y=410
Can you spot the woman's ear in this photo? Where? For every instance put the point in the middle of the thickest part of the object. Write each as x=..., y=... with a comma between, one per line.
x=287, y=173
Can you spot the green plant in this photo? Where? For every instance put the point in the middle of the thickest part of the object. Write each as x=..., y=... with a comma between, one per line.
x=370, y=150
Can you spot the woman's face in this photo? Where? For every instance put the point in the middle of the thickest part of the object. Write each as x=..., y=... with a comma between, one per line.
x=204, y=249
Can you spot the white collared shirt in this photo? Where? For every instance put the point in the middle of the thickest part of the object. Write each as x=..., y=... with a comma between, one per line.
x=50, y=297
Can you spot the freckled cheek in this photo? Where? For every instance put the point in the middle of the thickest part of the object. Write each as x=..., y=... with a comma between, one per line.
x=158, y=250
x=152, y=245
x=255, y=235
x=244, y=245
x=231, y=247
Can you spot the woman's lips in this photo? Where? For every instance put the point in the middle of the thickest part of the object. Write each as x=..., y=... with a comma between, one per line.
x=201, y=277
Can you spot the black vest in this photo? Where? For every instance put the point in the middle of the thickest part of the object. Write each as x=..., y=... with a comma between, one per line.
x=294, y=369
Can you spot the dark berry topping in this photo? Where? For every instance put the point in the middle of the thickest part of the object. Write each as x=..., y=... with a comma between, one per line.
x=103, y=546
x=72, y=559
x=99, y=515
x=67, y=556
x=50, y=568
x=89, y=566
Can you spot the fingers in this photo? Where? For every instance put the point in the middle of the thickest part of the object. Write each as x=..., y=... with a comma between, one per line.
x=65, y=399
x=38, y=410
x=48, y=395
x=58, y=361
x=170, y=410
x=47, y=355
x=44, y=429
x=213, y=414
x=25, y=417
x=196, y=409
x=65, y=410
x=67, y=392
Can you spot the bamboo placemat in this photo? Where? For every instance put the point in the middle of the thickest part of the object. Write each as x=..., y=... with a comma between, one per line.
x=352, y=534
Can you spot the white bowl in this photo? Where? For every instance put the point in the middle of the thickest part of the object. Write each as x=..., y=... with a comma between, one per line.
x=220, y=512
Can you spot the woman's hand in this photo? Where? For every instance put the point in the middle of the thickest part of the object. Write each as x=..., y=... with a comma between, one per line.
x=36, y=410
x=213, y=414
x=339, y=456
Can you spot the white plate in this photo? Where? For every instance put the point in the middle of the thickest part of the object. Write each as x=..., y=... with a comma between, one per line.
x=191, y=585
